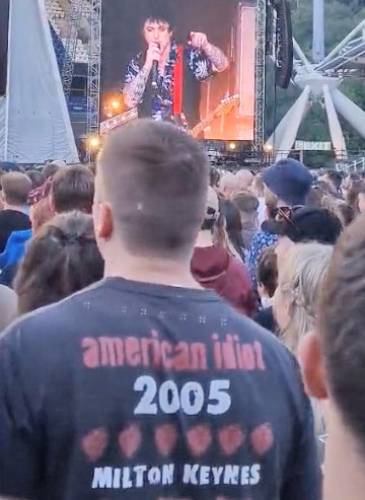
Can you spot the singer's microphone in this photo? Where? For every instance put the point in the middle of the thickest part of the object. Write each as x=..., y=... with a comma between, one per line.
x=155, y=72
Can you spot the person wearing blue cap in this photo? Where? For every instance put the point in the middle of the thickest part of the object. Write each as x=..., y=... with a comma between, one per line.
x=290, y=182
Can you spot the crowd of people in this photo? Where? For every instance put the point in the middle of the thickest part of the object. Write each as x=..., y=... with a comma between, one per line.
x=173, y=332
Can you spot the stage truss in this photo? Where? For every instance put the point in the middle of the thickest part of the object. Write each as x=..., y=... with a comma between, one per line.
x=260, y=74
x=75, y=13
x=94, y=67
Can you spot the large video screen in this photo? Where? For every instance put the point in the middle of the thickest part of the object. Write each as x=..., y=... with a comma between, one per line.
x=191, y=62
x=4, y=9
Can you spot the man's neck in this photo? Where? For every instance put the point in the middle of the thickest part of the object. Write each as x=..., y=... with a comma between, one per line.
x=15, y=208
x=343, y=461
x=158, y=271
x=205, y=239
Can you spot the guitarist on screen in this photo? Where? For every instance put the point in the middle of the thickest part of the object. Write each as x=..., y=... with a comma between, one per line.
x=163, y=81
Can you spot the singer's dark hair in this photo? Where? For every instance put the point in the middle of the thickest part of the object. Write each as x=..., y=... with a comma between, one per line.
x=161, y=12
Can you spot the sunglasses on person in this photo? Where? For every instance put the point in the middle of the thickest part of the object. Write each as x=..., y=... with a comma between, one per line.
x=285, y=214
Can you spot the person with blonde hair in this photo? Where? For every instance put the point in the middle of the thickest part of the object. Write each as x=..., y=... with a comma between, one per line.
x=227, y=185
x=333, y=363
x=244, y=179
x=301, y=274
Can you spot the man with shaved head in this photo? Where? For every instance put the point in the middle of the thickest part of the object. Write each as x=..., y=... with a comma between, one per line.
x=147, y=386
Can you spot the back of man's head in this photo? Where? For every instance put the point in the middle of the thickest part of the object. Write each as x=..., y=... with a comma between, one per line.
x=73, y=189
x=51, y=169
x=155, y=178
x=15, y=188
x=342, y=325
x=228, y=184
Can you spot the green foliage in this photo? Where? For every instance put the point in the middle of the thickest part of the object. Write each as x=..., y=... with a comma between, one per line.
x=341, y=17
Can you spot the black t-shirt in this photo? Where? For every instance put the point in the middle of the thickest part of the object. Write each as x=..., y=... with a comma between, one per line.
x=265, y=318
x=139, y=391
x=11, y=220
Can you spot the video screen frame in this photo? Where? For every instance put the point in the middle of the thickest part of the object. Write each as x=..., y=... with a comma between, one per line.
x=227, y=101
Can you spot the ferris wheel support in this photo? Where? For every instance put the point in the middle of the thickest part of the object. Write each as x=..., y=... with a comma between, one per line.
x=319, y=82
x=352, y=113
x=338, y=139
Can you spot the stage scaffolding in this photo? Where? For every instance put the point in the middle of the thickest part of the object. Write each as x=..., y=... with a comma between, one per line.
x=260, y=74
x=94, y=67
x=75, y=13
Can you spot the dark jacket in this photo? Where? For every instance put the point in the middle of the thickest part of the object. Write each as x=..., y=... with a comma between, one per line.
x=265, y=318
x=11, y=220
x=11, y=257
x=215, y=268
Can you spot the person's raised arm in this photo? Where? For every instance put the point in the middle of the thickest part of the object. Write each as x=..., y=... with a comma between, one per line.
x=213, y=53
x=136, y=81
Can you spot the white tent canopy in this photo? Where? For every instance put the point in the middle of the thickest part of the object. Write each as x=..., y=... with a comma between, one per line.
x=34, y=120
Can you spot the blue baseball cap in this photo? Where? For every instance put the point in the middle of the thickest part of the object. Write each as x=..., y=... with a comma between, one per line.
x=289, y=180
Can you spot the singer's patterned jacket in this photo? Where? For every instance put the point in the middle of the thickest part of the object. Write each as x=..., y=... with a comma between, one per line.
x=162, y=101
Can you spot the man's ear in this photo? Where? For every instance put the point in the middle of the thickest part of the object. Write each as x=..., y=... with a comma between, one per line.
x=312, y=365
x=103, y=221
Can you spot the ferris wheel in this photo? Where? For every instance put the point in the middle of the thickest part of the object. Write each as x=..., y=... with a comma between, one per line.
x=319, y=80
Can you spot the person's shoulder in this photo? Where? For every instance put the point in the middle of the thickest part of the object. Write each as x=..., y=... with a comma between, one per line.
x=263, y=238
x=136, y=59
x=54, y=318
x=236, y=262
x=194, y=55
x=20, y=236
x=8, y=297
x=192, y=51
x=6, y=214
x=250, y=331
x=257, y=237
x=236, y=267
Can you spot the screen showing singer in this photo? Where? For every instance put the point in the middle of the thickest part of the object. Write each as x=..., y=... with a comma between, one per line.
x=163, y=81
x=192, y=63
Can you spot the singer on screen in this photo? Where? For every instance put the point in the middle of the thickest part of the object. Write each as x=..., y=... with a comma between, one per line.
x=163, y=81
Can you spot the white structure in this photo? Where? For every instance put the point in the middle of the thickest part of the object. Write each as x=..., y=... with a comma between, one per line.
x=318, y=31
x=319, y=81
x=34, y=120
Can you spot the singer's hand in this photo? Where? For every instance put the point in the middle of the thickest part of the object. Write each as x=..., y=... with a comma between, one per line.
x=153, y=54
x=198, y=40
